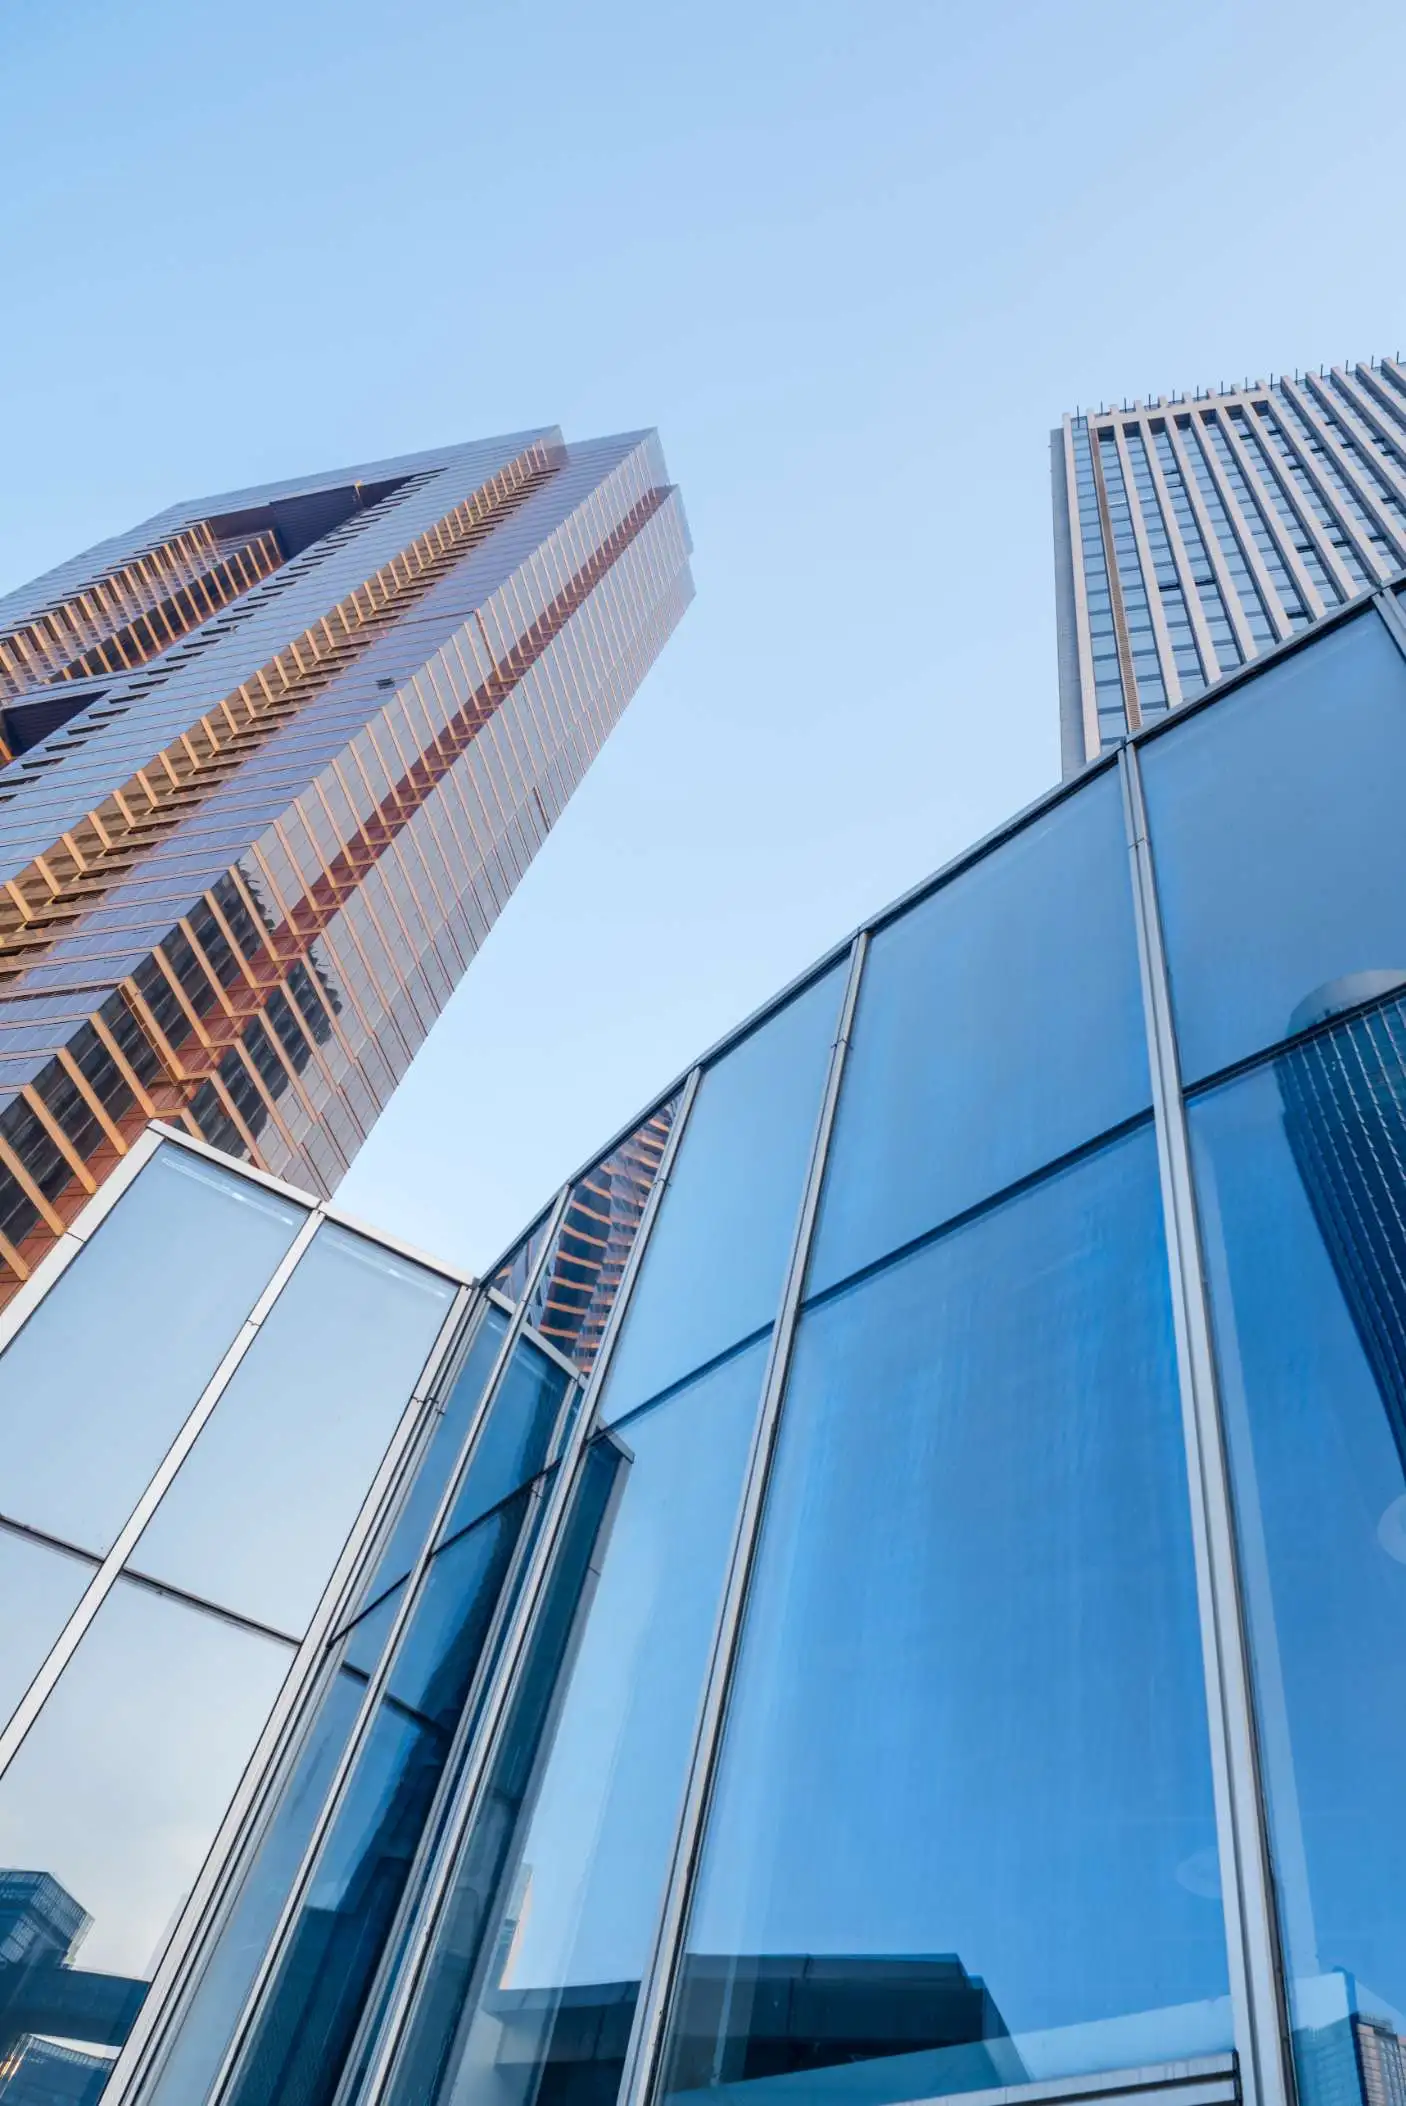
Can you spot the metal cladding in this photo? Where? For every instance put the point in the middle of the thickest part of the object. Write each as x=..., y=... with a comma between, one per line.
x=1193, y=533
x=273, y=763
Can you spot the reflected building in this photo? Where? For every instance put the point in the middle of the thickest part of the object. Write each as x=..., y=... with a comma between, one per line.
x=1344, y=1093
x=270, y=765
x=43, y=1993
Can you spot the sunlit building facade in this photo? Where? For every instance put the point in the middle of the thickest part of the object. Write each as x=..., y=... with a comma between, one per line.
x=893, y=1590
x=270, y=765
x=1194, y=532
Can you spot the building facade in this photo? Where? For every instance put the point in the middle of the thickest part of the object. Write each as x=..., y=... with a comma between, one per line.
x=273, y=762
x=1193, y=533
x=895, y=1587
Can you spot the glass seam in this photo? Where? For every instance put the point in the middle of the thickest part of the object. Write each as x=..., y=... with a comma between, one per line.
x=1248, y=1895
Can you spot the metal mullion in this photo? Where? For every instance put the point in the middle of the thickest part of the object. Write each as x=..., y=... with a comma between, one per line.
x=463, y=1804
x=1247, y=1883
x=1132, y=714
x=1390, y=609
x=1171, y=674
x=660, y=1976
x=1275, y=612
x=1375, y=561
x=65, y=1645
x=206, y=1911
x=376, y=1685
x=1382, y=416
x=1274, y=526
x=1083, y=628
x=1185, y=569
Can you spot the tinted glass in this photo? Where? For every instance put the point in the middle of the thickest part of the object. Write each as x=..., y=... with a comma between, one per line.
x=713, y=1269
x=310, y=2017
x=1302, y=1186
x=208, y=2023
x=577, y=1893
x=261, y=1507
x=40, y=1589
x=175, y=1699
x=516, y=1435
x=431, y=1481
x=97, y=1384
x=1281, y=860
x=963, y=1829
x=999, y=1025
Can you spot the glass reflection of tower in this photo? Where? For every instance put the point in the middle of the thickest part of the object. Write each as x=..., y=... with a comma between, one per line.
x=1344, y=1096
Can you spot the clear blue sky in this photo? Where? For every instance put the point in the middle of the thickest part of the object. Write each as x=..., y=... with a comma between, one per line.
x=854, y=258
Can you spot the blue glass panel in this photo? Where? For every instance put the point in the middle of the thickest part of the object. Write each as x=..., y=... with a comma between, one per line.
x=565, y=1904
x=311, y=2013
x=713, y=1271
x=516, y=1435
x=260, y=1509
x=1281, y=859
x=999, y=1026
x=434, y=1471
x=208, y=2021
x=97, y=1384
x=963, y=1831
x=1302, y=1186
x=40, y=1588
x=110, y=1805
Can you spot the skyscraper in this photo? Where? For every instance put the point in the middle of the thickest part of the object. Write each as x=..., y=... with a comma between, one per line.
x=273, y=762
x=1194, y=532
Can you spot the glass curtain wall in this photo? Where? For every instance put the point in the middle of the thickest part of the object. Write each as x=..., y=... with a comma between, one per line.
x=220, y=1463
x=848, y=1653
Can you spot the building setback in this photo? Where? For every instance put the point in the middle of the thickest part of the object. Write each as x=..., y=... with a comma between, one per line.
x=1194, y=532
x=273, y=763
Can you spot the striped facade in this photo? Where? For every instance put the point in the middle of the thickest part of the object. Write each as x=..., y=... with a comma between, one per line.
x=1193, y=533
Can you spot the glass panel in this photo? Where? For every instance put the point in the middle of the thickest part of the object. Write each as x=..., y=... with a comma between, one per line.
x=1281, y=860
x=109, y=1807
x=40, y=1588
x=963, y=1831
x=999, y=1026
x=207, y=2025
x=433, y=1474
x=1302, y=1185
x=261, y=1507
x=577, y=1290
x=516, y=1435
x=713, y=1270
x=95, y=1387
x=513, y=1274
x=310, y=2015
x=566, y=1906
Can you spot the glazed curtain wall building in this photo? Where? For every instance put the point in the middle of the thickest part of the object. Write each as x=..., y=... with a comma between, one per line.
x=1193, y=533
x=894, y=1590
x=270, y=766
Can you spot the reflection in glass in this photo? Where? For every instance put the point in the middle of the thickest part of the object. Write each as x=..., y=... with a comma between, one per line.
x=1281, y=860
x=310, y=2015
x=577, y=1290
x=261, y=1506
x=84, y=1418
x=106, y=1854
x=207, y=2024
x=1302, y=1187
x=431, y=1481
x=40, y=1588
x=713, y=1269
x=960, y=1831
x=559, y=1909
x=999, y=1026
x=516, y=1435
